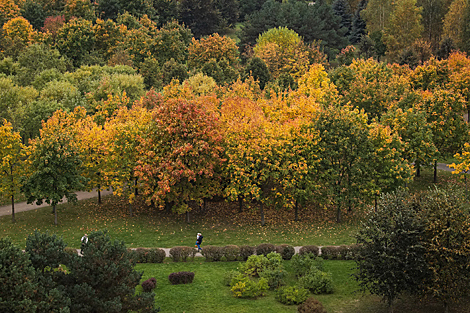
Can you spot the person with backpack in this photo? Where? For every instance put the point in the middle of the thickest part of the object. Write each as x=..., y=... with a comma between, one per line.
x=84, y=241
x=198, y=242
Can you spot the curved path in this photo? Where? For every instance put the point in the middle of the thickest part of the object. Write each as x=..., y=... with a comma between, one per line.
x=81, y=195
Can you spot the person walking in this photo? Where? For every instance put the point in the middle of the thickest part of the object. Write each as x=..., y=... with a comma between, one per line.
x=84, y=241
x=198, y=242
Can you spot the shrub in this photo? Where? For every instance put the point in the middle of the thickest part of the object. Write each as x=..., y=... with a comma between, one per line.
x=212, y=253
x=318, y=282
x=311, y=305
x=254, y=265
x=231, y=252
x=156, y=256
x=286, y=251
x=309, y=249
x=71, y=251
x=302, y=264
x=265, y=249
x=248, y=288
x=274, y=277
x=182, y=253
x=229, y=276
x=331, y=252
x=149, y=284
x=181, y=278
x=291, y=295
x=246, y=252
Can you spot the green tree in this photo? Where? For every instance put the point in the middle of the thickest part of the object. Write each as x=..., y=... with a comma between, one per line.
x=54, y=164
x=12, y=155
x=342, y=9
x=201, y=16
x=34, y=13
x=258, y=69
x=391, y=258
x=433, y=12
x=18, y=279
x=75, y=40
x=399, y=35
x=377, y=15
x=358, y=26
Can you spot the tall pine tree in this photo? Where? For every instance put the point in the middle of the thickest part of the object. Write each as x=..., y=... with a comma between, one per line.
x=358, y=27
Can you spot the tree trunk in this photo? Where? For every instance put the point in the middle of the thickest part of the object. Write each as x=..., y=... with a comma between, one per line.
x=261, y=210
x=99, y=195
x=418, y=170
x=446, y=307
x=375, y=200
x=204, y=205
x=130, y=209
x=435, y=171
x=55, y=214
x=466, y=187
x=187, y=217
x=338, y=214
x=240, y=204
x=168, y=207
x=13, y=208
x=296, y=211
x=136, y=191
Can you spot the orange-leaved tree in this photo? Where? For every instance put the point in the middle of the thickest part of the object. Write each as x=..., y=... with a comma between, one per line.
x=181, y=153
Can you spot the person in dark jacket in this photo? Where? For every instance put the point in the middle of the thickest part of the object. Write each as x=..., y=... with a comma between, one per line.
x=198, y=242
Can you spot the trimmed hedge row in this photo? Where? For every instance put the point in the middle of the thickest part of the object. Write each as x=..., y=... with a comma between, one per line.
x=241, y=253
x=181, y=278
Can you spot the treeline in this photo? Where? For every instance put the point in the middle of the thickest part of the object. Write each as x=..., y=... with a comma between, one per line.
x=336, y=141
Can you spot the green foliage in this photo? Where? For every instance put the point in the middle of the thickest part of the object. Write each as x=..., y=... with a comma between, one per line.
x=265, y=249
x=46, y=252
x=249, y=288
x=212, y=253
x=254, y=265
x=173, y=70
x=230, y=276
x=201, y=16
x=75, y=40
x=17, y=276
x=182, y=253
x=257, y=68
x=246, y=252
x=303, y=264
x=292, y=295
x=318, y=282
x=286, y=251
x=231, y=252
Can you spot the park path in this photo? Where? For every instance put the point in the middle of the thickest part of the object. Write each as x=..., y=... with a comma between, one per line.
x=81, y=195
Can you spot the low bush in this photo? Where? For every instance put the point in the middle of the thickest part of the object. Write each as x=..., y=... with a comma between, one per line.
x=254, y=265
x=71, y=251
x=292, y=295
x=145, y=255
x=231, y=252
x=265, y=249
x=311, y=305
x=309, y=249
x=286, y=251
x=246, y=252
x=230, y=276
x=149, y=284
x=318, y=282
x=212, y=253
x=181, y=278
x=249, y=288
x=274, y=277
x=339, y=252
x=182, y=253
x=302, y=264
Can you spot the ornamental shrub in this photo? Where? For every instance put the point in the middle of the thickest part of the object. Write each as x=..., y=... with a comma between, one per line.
x=249, y=288
x=331, y=253
x=309, y=249
x=291, y=295
x=274, y=277
x=254, y=265
x=231, y=252
x=246, y=252
x=181, y=278
x=182, y=253
x=265, y=248
x=212, y=253
x=302, y=264
x=229, y=276
x=156, y=256
x=318, y=282
x=311, y=305
x=149, y=284
x=286, y=251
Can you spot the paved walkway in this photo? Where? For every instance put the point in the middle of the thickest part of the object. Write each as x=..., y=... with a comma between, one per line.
x=81, y=195
x=23, y=206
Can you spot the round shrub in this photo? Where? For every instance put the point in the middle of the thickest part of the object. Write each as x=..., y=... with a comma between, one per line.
x=254, y=265
x=331, y=252
x=265, y=249
x=246, y=252
x=286, y=251
x=182, y=253
x=309, y=249
x=149, y=284
x=311, y=305
x=212, y=253
x=229, y=276
x=156, y=256
x=231, y=252
x=248, y=288
x=302, y=264
x=317, y=282
x=181, y=278
x=291, y=295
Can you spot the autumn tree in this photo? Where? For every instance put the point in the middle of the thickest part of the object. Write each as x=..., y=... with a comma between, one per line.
x=12, y=155
x=17, y=34
x=212, y=47
x=454, y=21
x=54, y=169
x=180, y=155
x=377, y=15
x=8, y=10
x=399, y=35
x=433, y=12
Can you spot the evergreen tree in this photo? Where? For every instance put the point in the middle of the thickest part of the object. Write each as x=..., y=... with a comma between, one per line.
x=201, y=16
x=445, y=49
x=358, y=27
x=341, y=8
x=465, y=34
x=258, y=69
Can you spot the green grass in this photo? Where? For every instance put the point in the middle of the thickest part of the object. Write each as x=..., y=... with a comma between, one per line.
x=221, y=224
